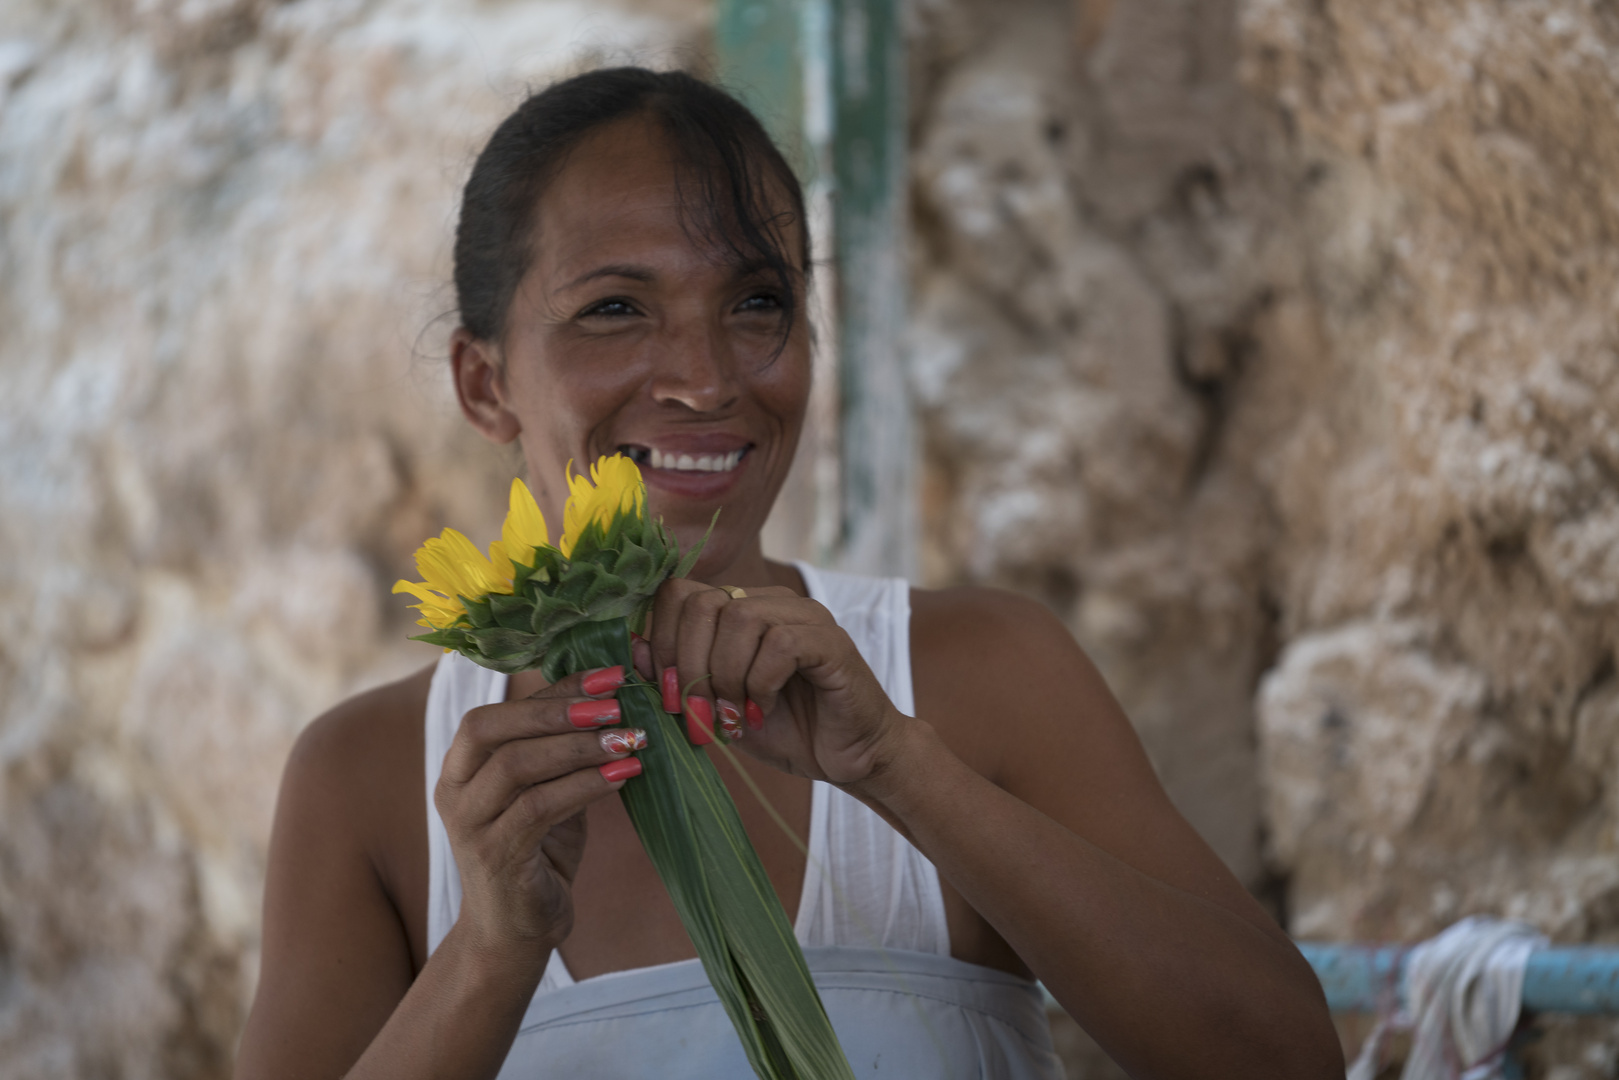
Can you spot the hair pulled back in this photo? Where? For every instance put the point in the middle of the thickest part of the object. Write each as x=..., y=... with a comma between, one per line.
x=736, y=169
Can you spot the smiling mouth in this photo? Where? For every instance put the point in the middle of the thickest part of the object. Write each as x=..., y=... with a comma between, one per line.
x=653, y=458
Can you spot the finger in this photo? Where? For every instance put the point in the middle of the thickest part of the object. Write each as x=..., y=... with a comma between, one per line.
x=485, y=729
x=825, y=655
x=780, y=592
x=597, y=682
x=537, y=810
x=641, y=654
x=742, y=626
x=699, y=619
x=523, y=763
x=666, y=608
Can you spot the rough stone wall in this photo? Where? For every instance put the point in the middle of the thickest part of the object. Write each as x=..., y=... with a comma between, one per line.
x=1273, y=343
x=1098, y=235
x=223, y=227
x=1270, y=342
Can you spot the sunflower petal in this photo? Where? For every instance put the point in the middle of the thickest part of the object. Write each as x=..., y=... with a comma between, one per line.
x=524, y=522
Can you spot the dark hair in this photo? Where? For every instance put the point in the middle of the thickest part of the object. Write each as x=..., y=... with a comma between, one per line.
x=725, y=148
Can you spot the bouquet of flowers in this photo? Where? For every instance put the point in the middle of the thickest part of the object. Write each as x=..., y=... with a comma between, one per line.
x=571, y=608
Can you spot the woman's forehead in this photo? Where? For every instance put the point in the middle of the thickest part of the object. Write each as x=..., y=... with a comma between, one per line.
x=618, y=184
x=625, y=189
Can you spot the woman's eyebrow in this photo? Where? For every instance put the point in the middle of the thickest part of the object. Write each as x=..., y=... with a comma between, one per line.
x=622, y=270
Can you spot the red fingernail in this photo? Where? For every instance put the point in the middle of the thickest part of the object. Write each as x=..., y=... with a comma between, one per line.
x=616, y=771
x=730, y=720
x=671, y=690
x=636, y=637
x=602, y=680
x=699, y=721
x=589, y=714
x=755, y=715
x=623, y=741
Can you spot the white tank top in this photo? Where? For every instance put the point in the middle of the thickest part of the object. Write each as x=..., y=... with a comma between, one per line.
x=865, y=885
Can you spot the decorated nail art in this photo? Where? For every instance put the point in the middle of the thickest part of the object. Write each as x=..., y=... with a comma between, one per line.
x=622, y=769
x=623, y=741
x=589, y=714
x=730, y=720
x=602, y=680
x=671, y=690
x=754, y=715
x=699, y=721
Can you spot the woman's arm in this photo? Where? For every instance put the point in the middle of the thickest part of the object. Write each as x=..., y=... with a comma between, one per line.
x=336, y=993
x=1028, y=789
x=1066, y=844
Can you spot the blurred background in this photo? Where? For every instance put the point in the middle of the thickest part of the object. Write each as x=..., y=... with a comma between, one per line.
x=1272, y=343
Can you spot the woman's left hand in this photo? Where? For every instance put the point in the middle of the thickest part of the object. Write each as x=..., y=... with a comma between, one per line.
x=818, y=711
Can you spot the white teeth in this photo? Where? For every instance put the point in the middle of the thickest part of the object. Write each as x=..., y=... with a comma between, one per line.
x=687, y=463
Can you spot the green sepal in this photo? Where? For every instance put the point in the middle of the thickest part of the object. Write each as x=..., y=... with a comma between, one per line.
x=451, y=638
x=585, y=646
x=635, y=566
x=498, y=643
x=512, y=612
x=477, y=609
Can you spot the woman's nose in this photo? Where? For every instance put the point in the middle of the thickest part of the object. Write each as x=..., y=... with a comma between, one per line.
x=694, y=369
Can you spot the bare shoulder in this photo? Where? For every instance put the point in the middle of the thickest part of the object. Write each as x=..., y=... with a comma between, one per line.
x=365, y=736
x=345, y=889
x=975, y=621
x=1014, y=695
x=994, y=670
x=362, y=762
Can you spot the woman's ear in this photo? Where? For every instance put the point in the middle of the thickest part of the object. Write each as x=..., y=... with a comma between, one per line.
x=480, y=385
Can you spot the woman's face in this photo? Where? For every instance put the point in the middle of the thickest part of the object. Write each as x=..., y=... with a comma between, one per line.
x=632, y=332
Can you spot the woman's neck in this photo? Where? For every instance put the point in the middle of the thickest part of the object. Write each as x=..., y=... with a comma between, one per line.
x=750, y=569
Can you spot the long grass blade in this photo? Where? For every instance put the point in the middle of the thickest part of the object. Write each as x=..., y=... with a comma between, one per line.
x=688, y=824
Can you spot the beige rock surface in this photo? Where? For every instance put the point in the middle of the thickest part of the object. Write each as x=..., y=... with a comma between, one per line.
x=1274, y=344
x=224, y=231
x=1271, y=342
x=1098, y=236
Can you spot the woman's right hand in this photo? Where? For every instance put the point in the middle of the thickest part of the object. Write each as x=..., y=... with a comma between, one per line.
x=512, y=794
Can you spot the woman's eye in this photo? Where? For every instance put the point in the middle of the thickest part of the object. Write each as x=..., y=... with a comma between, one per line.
x=761, y=301
x=610, y=308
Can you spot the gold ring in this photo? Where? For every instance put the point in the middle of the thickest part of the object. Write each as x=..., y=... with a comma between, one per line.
x=735, y=592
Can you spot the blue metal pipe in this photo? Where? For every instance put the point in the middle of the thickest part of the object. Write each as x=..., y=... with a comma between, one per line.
x=1366, y=978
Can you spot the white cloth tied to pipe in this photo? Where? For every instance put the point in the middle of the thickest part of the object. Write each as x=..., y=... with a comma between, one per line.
x=1463, y=993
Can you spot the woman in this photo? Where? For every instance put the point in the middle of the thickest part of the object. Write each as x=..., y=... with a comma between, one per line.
x=631, y=266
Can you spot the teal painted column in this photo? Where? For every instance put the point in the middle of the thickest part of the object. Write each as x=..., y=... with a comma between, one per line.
x=879, y=499
x=760, y=46
x=828, y=79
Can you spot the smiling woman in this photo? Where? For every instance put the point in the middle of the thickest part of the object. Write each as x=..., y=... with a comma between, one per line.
x=649, y=303
x=631, y=265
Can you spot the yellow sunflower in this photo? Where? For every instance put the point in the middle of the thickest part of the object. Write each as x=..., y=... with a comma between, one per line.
x=522, y=533
x=452, y=567
x=614, y=487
